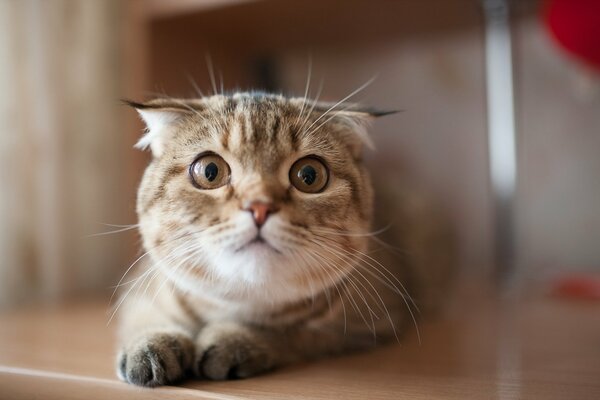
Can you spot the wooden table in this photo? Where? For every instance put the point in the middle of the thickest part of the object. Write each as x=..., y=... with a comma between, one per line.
x=537, y=348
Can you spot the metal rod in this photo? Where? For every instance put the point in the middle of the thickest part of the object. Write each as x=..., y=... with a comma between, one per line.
x=501, y=134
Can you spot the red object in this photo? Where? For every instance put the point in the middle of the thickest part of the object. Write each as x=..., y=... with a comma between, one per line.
x=578, y=287
x=575, y=25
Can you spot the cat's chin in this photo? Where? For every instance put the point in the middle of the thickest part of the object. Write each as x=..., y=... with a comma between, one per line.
x=254, y=262
x=257, y=247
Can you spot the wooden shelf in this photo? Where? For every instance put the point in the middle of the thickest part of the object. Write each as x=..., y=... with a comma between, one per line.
x=539, y=348
x=161, y=8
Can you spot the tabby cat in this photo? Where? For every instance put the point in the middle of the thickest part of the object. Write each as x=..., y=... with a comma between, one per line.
x=256, y=213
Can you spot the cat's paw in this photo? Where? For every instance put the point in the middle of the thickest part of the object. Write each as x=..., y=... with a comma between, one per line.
x=230, y=351
x=156, y=359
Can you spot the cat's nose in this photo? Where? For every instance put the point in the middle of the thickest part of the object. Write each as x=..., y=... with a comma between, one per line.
x=260, y=211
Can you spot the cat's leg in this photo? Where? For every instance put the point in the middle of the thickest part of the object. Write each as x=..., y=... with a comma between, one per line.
x=230, y=350
x=156, y=358
x=157, y=346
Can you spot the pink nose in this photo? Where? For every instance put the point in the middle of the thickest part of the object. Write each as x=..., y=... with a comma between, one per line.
x=260, y=211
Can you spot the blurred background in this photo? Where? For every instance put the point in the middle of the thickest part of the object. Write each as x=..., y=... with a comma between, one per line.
x=67, y=167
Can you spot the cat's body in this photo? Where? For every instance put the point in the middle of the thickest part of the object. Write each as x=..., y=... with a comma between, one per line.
x=256, y=213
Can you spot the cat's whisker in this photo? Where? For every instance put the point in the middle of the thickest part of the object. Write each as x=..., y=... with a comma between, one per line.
x=122, y=228
x=221, y=81
x=120, y=225
x=395, y=249
x=333, y=115
x=118, y=306
x=349, y=96
x=211, y=73
x=306, y=89
x=125, y=274
x=334, y=285
x=176, y=254
x=360, y=257
x=343, y=276
x=183, y=236
x=158, y=270
x=342, y=273
x=155, y=270
x=352, y=234
x=379, y=301
x=312, y=107
x=358, y=254
x=141, y=279
x=307, y=273
x=194, y=84
x=402, y=295
x=176, y=269
x=352, y=267
x=350, y=276
x=188, y=107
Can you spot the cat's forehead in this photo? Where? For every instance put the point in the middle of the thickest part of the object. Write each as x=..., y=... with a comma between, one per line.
x=252, y=102
x=266, y=125
x=255, y=125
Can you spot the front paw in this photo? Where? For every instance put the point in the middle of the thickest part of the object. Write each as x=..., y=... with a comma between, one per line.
x=229, y=351
x=156, y=359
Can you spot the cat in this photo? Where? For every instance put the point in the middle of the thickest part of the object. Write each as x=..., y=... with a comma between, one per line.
x=256, y=214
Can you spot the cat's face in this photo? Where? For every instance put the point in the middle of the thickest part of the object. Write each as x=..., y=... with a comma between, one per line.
x=253, y=197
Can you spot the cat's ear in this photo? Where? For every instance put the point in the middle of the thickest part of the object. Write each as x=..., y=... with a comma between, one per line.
x=357, y=119
x=159, y=119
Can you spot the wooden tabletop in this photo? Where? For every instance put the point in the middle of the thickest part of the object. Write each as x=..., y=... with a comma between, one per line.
x=538, y=348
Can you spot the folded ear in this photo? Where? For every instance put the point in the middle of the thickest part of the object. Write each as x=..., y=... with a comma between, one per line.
x=357, y=118
x=160, y=118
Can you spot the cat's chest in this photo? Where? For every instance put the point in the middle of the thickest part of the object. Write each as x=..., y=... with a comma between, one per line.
x=211, y=309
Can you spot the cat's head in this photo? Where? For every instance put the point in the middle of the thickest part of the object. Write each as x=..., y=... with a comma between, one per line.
x=254, y=197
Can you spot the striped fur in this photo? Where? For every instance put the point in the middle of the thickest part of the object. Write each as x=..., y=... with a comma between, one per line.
x=203, y=302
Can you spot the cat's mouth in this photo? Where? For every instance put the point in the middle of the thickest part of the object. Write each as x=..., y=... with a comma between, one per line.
x=258, y=241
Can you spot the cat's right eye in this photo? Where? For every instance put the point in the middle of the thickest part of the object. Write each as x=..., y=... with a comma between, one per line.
x=209, y=171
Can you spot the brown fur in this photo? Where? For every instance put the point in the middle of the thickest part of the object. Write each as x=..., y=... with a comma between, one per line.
x=201, y=305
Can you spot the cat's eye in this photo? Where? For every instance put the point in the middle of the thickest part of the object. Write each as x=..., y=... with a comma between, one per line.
x=209, y=171
x=309, y=175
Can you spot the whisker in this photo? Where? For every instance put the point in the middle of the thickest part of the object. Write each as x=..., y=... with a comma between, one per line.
x=332, y=116
x=112, y=232
x=306, y=89
x=306, y=272
x=341, y=300
x=312, y=108
x=351, y=265
x=211, y=72
x=120, y=225
x=125, y=274
x=358, y=291
x=139, y=281
x=358, y=90
x=352, y=234
x=221, y=82
x=402, y=295
x=195, y=85
x=341, y=276
x=176, y=254
x=404, y=292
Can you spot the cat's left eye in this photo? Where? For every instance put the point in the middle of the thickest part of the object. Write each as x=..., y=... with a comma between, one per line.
x=209, y=171
x=309, y=175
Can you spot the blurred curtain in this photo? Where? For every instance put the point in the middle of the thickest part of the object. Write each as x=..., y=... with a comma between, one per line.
x=61, y=155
